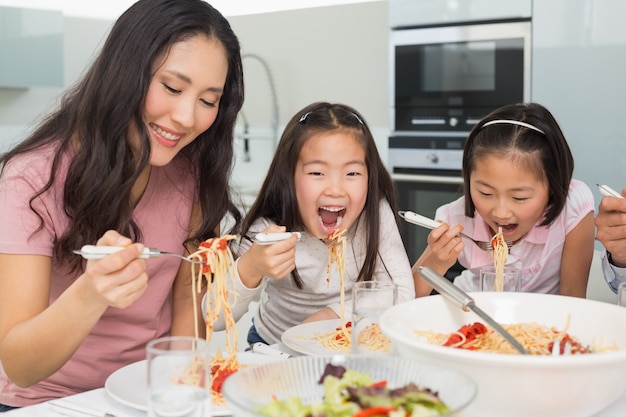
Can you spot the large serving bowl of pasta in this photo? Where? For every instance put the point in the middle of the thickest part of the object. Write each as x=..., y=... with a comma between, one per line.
x=348, y=385
x=539, y=383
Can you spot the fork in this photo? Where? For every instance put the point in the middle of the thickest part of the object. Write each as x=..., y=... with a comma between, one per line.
x=99, y=252
x=424, y=221
x=556, y=348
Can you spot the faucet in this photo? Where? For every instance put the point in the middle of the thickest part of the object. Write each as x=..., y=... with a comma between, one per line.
x=274, y=107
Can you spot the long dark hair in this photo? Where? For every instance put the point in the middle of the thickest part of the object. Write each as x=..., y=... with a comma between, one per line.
x=541, y=148
x=100, y=109
x=277, y=198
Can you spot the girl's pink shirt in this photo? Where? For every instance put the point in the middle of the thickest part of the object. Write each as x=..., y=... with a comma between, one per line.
x=119, y=338
x=538, y=254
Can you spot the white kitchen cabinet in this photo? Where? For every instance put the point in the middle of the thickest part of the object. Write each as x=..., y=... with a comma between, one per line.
x=410, y=13
x=578, y=73
x=31, y=48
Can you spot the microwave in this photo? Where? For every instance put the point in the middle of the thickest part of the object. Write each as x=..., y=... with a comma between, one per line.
x=446, y=78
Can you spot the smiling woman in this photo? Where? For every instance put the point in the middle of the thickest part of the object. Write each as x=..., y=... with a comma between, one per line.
x=137, y=155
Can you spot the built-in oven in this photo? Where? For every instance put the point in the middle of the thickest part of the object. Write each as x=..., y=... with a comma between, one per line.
x=446, y=78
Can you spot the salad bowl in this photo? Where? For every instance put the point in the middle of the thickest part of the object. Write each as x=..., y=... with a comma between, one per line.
x=252, y=391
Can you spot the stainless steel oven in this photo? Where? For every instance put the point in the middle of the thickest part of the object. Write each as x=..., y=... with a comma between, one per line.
x=445, y=78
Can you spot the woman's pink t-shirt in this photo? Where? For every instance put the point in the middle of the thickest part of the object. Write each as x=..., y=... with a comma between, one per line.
x=119, y=338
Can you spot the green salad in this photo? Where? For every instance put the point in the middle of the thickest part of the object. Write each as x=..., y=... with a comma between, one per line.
x=349, y=393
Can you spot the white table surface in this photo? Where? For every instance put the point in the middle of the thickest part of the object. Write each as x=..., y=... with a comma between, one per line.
x=100, y=401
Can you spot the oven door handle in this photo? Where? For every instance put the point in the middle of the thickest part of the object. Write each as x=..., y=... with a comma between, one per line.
x=426, y=178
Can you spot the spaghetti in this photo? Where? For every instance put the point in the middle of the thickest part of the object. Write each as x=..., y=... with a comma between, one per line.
x=341, y=338
x=373, y=339
x=500, y=255
x=217, y=269
x=537, y=339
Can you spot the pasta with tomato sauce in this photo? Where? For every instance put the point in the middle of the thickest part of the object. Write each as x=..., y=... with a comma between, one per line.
x=216, y=272
x=536, y=339
x=341, y=338
x=500, y=255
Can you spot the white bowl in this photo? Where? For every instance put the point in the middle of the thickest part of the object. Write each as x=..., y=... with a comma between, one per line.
x=522, y=385
x=251, y=387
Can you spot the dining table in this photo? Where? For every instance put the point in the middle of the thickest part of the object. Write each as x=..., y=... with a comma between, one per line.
x=98, y=403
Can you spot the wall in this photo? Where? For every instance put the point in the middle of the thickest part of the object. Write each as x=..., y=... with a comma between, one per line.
x=336, y=54
x=21, y=108
x=579, y=56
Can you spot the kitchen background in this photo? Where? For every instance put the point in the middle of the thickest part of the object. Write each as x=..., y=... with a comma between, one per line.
x=341, y=53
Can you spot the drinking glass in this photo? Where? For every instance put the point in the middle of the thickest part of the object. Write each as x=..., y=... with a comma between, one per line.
x=511, y=283
x=621, y=294
x=369, y=300
x=178, y=377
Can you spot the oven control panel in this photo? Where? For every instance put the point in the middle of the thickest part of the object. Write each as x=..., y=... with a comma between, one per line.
x=426, y=153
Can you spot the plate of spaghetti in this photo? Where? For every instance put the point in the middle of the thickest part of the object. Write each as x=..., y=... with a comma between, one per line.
x=128, y=385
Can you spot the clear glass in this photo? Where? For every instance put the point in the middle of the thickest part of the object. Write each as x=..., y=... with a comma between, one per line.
x=511, y=283
x=178, y=377
x=369, y=300
x=621, y=294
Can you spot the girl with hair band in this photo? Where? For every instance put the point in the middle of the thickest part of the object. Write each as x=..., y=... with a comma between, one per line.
x=326, y=175
x=137, y=155
x=517, y=173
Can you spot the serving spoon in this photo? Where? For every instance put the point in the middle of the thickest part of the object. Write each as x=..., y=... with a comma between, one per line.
x=455, y=294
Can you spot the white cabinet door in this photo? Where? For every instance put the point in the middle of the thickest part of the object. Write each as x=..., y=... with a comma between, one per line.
x=579, y=62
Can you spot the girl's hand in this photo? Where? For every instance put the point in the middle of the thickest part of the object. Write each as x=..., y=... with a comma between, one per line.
x=445, y=246
x=276, y=260
x=118, y=279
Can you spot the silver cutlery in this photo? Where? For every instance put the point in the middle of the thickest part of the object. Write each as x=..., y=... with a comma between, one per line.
x=607, y=191
x=424, y=221
x=269, y=238
x=556, y=348
x=263, y=349
x=70, y=409
x=99, y=252
x=455, y=294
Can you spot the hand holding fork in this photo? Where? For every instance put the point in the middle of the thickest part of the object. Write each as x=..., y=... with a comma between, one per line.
x=424, y=221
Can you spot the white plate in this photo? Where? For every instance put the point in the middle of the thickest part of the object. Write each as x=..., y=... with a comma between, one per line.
x=301, y=338
x=128, y=385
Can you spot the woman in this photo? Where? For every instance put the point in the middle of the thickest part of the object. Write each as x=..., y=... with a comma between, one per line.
x=139, y=151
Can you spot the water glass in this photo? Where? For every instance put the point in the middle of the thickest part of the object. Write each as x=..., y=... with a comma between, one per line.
x=369, y=300
x=511, y=279
x=621, y=294
x=178, y=377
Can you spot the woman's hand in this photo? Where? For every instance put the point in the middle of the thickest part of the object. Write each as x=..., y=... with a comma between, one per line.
x=119, y=279
x=28, y=322
x=276, y=260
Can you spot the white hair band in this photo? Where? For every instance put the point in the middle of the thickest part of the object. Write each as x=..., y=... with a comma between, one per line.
x=513, y=122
